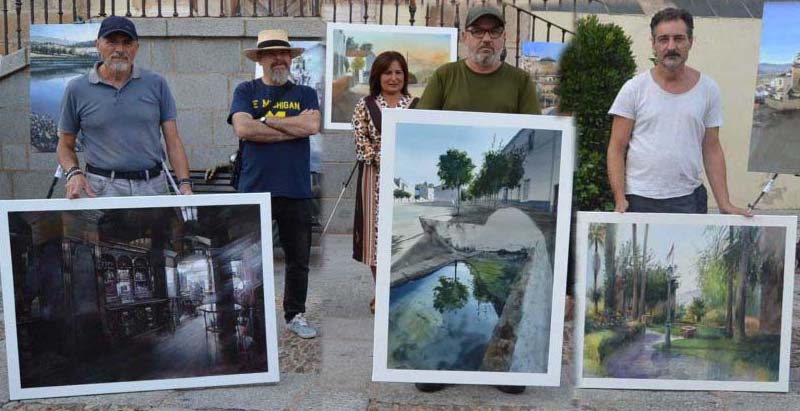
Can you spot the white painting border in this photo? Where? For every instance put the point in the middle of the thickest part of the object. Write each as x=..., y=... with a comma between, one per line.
x=369, y=28
x=15, y=389
x=393, y=117
x=586, y=218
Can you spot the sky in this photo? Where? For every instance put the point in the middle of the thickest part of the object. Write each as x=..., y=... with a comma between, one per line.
x=780, y=35
x=542, y=49
x=419, y=146
x=689, y=240
x=401, y=41
x=73, y=32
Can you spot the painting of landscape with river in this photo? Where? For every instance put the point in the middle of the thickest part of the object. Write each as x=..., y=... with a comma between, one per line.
x=686, y=304
x=58, y=53
x=473, y=245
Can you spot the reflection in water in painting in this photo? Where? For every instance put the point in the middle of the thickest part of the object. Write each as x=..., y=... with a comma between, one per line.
x=445, y=320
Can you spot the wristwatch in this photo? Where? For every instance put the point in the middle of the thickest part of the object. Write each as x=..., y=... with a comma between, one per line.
x=186, y=181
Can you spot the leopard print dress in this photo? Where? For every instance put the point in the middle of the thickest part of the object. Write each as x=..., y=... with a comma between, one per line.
x=368, y=149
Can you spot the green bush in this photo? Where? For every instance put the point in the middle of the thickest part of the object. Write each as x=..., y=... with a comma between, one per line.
x=593, y=67
x=597, y=346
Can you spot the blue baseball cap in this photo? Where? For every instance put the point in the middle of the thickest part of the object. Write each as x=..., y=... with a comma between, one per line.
x=114, y=24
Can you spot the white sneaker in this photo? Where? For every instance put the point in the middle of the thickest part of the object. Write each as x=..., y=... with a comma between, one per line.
x=299, y=325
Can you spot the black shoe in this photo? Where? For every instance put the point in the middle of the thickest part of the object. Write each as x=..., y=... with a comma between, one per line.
x=511, y=389
x=429, y=387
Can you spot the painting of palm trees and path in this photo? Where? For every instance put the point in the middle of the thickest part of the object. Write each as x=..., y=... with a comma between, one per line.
x=474, y=219
x=692, y=302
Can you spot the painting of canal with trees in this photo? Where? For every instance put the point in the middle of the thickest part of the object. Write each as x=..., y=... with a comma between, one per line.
x=685, y=302
x=469, y=266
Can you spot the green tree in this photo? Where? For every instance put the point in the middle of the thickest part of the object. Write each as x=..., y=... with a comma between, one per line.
x=450, y=294
x=400, y=194
x=697, y=309
x=597, y=236
x=495, y=165
x=593, y=67
x=610, y=267
x=515, y=161
x=455, y=170
x=357, y=66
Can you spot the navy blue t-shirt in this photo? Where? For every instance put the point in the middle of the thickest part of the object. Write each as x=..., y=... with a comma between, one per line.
x=282, y=168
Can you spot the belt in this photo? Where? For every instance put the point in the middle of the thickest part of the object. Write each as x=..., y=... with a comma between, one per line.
x=127, y=175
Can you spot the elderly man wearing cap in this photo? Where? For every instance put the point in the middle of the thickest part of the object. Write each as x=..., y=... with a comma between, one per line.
x=121, y=110
x=481, y=82
x=273, y=119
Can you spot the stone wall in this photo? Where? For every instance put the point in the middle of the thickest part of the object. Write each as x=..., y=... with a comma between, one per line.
x=202, y=61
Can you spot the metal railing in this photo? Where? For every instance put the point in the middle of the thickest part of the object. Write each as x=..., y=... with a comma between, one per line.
x=18, y=13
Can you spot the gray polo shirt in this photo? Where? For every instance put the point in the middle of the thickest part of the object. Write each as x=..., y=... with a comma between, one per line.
x=121, y=129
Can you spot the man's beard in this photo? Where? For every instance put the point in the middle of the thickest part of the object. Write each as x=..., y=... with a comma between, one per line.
x=671, y=63
x=116, y=66
x=484, y=60
x=278, y=76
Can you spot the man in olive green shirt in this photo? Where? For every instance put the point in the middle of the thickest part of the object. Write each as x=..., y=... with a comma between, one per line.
x=481, y=82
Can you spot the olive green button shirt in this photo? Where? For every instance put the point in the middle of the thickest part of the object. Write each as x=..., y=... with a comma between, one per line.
x=455, y=87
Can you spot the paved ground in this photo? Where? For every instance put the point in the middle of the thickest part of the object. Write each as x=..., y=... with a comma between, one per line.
x=333, y=371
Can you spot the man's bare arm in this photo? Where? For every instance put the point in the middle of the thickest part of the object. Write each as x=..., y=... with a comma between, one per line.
x=302, y=125
x=714, y=161
x=65, y=151
x=615, y=163
x=250, y=129
x=176, y=153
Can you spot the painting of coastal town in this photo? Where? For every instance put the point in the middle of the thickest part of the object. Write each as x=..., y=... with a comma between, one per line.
x=541, y=59
x=684, y=302
x=774, y=146
x=472, y=247
x=58, y=53
x=352, y=48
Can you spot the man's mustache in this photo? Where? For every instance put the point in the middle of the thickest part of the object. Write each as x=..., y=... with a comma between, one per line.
x=672, y=54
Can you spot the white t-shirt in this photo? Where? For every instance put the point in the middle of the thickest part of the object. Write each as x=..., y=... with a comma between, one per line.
x=665, y=152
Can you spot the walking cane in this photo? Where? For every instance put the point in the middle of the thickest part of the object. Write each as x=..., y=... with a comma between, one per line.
x=338, y=200
x=58, y=174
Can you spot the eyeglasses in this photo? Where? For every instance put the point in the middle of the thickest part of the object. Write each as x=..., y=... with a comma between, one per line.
x=494, y=33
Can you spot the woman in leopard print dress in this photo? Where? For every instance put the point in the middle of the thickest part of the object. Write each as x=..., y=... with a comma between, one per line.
x=388, y=88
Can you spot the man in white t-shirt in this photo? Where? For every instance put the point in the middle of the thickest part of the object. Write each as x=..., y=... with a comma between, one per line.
x=668, y=119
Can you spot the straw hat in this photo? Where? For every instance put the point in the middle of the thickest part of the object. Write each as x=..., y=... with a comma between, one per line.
x=272, y=40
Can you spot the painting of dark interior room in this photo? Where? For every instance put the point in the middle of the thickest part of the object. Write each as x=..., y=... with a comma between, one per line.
x=119, y=295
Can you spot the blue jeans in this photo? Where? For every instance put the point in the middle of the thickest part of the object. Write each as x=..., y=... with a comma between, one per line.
x=695, y=203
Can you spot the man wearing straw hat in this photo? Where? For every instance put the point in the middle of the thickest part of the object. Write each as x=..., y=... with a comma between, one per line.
x=122, y=111
x=273, y=119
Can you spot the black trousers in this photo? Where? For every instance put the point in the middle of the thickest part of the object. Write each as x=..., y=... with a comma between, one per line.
x=695, y=203
x=294, y=229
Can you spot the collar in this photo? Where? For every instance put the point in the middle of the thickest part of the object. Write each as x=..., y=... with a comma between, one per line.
x=95, y=78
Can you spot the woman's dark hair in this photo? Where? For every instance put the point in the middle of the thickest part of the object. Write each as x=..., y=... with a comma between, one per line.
x=380, y=65
x=670, y=14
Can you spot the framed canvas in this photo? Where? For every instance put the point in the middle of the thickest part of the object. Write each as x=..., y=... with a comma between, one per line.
x=58, y=54
x=541, y=60
x=109, y=295
x=352, y=48
x=472, y=247
x=684, y=302
x=776, y=109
